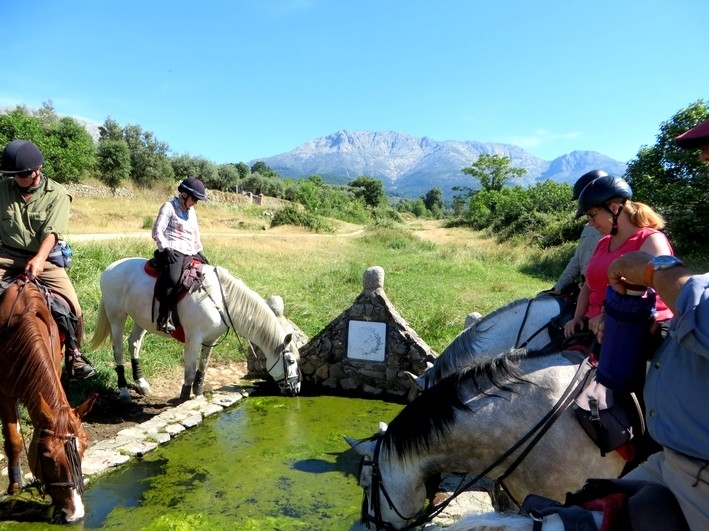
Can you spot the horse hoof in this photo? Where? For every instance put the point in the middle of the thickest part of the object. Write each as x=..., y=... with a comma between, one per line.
x=124, y=396
x=143, y=387
x=185, y=394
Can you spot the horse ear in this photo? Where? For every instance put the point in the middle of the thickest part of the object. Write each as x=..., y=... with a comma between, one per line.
x=361, y=447
x=382, y=428
x=289, y=337
x=45, y=411
x=84, y=408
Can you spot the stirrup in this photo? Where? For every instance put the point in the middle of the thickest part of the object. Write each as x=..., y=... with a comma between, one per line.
x=79, y=367
x=165, y=326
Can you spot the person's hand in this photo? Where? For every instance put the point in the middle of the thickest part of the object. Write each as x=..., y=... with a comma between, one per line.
x=34, y=267
x=597, y=326
x=628, y=269
x=571, y=326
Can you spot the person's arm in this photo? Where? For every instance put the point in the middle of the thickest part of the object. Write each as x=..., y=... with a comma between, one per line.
x=581, y=308
x=656, y=245
x=571, y=272
x=630, y=269
x=35, y=265
x=160, y=226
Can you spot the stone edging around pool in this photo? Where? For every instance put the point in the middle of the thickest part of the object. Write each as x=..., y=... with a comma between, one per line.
x=138, y=440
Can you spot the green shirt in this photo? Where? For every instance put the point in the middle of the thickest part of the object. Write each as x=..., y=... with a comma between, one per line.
x=24, y=225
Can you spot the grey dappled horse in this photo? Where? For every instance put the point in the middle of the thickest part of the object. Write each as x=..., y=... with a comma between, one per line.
x=471, y=422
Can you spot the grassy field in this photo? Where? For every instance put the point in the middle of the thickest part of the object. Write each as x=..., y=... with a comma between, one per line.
x=434, y=276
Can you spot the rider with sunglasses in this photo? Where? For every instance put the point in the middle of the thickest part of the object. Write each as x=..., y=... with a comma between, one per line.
x=35, y=217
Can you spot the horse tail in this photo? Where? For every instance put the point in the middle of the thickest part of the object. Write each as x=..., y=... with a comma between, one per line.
x=102, y=329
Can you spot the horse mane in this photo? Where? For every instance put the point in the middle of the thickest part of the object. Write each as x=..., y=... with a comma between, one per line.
x=251, y=315
x=26, y=353
x=432, y=413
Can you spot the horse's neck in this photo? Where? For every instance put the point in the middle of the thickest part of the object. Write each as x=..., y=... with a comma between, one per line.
x=248, y=313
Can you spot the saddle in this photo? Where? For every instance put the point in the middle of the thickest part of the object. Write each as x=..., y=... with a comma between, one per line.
x=611, y=419
x=626, y=505
x=59, y=307
x=190, y=281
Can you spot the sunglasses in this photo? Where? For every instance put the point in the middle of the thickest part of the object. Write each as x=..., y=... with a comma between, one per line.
x=24, y=174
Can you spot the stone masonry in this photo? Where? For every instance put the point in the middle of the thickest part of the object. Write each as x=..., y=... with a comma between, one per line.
x=367, y=348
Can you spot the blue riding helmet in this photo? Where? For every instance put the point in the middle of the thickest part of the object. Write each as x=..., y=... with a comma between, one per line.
x=21, y=156
x=194, y=187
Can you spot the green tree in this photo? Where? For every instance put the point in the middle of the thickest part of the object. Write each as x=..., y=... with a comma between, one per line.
x=149, y=161
x=434, y=201
x=493, y=171
x=243, y=170
x=369, y=189
x=113, y=158
x=71, y=149
x=110, y=130
x=262, y=168
x=674, y=182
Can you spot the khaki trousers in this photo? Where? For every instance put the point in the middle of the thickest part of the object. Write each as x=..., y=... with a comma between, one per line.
x=54, y=277
x=687, y=478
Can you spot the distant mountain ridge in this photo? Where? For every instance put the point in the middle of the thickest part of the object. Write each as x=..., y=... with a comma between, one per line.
x=410, y=166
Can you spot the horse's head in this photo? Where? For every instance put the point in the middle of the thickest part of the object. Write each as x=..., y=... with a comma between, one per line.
x=284, y=370
x=55, y=455
x=386, y=504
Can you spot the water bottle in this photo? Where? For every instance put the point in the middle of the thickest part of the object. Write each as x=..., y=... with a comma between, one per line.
x=626, y=330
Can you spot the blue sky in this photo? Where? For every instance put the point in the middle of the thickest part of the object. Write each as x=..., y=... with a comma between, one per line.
x=235, y=80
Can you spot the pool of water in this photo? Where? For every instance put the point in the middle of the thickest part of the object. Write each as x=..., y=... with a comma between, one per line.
x=270, y=463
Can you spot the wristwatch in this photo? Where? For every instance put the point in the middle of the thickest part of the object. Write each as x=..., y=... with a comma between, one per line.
x=659, y=262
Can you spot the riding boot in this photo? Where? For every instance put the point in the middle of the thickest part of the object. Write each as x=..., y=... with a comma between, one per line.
x=164, y=322
x=77, y=365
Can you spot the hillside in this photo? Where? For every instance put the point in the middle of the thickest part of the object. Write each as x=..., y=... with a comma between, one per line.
x=409, y=166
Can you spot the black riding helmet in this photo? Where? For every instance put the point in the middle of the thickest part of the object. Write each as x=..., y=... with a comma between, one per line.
x=583, y=181
x=600, y=190
x=194, y=187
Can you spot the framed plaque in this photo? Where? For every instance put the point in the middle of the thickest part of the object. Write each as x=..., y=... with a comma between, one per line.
x=366, y=340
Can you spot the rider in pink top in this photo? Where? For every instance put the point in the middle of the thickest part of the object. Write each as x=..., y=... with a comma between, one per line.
x=628, y=226
x=597, y=274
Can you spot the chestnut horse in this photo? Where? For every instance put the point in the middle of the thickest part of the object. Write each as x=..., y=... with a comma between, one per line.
x=30, y=360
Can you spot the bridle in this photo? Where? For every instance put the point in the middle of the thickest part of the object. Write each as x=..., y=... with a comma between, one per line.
x=71, y=449
x=285, y=384
x=288, y=385
x=582, y=377
x=377, y=489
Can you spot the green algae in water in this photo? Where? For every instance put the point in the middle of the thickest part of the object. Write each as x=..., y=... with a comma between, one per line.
x=271, y=463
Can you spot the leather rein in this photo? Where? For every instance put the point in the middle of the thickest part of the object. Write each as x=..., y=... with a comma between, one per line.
x=580, y=380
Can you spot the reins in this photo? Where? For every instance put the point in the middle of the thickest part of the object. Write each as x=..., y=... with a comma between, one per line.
x=230, y=323
x=579, y=381
x=524, y=321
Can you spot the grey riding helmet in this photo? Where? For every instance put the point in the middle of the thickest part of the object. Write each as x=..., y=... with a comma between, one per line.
x=583, y=181
x=194, y=187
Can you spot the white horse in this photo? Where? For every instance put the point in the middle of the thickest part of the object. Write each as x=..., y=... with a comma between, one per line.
x=514, y=522
x=504, y=417
x=223, y=302
x=523, y=323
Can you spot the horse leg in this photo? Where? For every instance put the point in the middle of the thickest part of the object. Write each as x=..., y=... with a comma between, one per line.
x=198, y=385
x=13, y=444
x=192, y=346
x=135, y=341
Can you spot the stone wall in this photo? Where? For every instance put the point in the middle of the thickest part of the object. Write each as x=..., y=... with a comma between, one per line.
x=367, y=349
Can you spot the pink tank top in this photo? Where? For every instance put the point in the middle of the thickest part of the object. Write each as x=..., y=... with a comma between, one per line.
x=597, y=271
